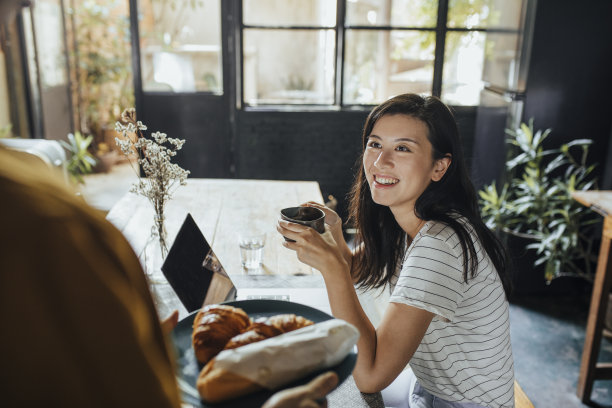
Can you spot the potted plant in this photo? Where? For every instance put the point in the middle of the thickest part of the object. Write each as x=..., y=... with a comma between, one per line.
x=534, y=205
x=80, y=160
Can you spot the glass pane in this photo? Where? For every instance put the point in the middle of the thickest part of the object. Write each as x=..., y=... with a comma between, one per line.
x=396, y=13
x=49, y=33
x=463, y=63
x=180, y=47
x=381, y=64
x=485, y=13
x=289, y=66
x=102, y=60
x=317, y=13
x=501, y=60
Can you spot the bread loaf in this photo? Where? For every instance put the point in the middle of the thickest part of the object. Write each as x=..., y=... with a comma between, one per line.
x=218, y=327
x=218, y=385
x=213, y=327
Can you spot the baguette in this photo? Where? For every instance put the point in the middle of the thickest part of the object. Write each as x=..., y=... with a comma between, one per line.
x=217, y=385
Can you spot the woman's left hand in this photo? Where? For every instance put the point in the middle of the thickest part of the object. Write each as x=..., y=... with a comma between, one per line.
x=319, y=251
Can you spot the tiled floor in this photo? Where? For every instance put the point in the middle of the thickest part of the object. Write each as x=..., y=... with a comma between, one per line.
x=103, y=190
x=547, y=338
x=547, y=330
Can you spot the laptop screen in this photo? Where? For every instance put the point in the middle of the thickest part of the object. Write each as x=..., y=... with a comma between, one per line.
x=194, y=271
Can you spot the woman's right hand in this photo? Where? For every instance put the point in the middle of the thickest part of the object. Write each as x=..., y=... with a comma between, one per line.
x=332, y=219
x=333, y=227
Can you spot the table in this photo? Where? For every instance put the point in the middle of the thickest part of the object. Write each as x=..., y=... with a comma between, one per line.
x=590, y=369
x=222, y=208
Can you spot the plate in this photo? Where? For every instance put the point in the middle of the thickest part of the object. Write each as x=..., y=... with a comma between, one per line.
x=189, y=368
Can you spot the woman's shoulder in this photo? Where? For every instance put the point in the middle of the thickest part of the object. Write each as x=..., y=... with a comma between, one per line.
x=438, y=229
x=444, y=231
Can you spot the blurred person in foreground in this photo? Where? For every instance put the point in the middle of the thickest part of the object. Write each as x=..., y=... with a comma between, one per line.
x=79, y=327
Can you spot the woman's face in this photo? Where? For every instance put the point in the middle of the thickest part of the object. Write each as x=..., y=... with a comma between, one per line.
x=398, y=161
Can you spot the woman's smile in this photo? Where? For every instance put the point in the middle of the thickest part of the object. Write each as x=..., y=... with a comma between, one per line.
x=384, y=181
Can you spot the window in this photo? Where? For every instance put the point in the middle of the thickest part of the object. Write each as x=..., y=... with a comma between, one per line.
x=289, y=52
x=180, y=46
x=361, y=52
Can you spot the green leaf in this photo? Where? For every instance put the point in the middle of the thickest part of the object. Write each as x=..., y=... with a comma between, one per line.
x=580, y=142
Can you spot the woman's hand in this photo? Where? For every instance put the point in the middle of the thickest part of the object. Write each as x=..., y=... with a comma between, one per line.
x=319, y=251
x=331, y=218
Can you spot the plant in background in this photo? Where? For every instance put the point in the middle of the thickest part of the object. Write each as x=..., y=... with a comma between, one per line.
x=6, y=131
x=535, y=201
x=154, y=157
x=102, y=58
x=80, y=160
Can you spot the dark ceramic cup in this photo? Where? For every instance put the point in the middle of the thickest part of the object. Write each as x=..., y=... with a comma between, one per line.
x=309, y=216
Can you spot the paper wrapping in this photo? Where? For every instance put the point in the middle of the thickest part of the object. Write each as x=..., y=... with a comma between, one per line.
x=280, y=360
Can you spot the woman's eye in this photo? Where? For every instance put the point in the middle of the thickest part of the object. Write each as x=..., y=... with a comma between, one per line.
x=403, y=148
x=373, y=144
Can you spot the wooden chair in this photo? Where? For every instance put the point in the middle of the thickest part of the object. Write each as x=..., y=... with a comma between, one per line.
x=520, y=398
x=590, y=369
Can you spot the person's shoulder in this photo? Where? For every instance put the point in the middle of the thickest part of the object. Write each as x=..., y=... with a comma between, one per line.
x=437, y=230
x=445, y=232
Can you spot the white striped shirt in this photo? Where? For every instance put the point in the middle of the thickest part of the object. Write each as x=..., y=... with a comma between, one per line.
x=466, y=355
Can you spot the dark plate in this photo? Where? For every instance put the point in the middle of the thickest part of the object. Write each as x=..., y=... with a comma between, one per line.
x=189, y=368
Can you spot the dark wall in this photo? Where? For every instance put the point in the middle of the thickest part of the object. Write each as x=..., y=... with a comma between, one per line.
x=319, y=146
x=202, y=120
x=569, y=86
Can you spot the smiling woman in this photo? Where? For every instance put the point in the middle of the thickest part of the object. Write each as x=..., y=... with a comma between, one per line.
x=420, y=233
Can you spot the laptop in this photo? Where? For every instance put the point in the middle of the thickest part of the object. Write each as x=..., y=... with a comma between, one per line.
x=197, y=277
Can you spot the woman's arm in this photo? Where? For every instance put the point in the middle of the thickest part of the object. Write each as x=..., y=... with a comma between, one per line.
x=383, y=352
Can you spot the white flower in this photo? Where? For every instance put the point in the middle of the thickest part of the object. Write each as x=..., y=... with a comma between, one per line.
x=161, y=176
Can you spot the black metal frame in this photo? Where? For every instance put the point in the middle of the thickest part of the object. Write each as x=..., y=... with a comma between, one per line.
x=440, y=29
x=33, y=90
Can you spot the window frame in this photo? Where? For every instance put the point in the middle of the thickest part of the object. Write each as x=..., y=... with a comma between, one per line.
x=441, y=30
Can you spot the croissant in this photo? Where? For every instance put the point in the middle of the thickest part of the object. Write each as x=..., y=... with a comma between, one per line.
x=264, y=328
x=256, y=332
x=213, y=327
x=288, y=322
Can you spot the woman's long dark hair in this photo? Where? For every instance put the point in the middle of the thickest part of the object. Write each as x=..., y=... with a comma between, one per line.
x=384, y=241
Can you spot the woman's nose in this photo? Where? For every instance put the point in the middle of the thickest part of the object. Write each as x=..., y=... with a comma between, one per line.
x=383, y=160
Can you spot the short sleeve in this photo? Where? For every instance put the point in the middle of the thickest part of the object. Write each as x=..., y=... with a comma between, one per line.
x=431, y=277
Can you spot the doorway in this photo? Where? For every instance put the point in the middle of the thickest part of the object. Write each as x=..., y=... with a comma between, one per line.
x=181, y=79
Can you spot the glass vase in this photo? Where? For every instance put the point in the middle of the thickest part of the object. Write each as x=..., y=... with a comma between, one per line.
x=153, y=255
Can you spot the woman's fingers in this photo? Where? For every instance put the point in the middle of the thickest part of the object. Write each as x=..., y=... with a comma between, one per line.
x=331, y=217
x=289, y=227
x=294, y=230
